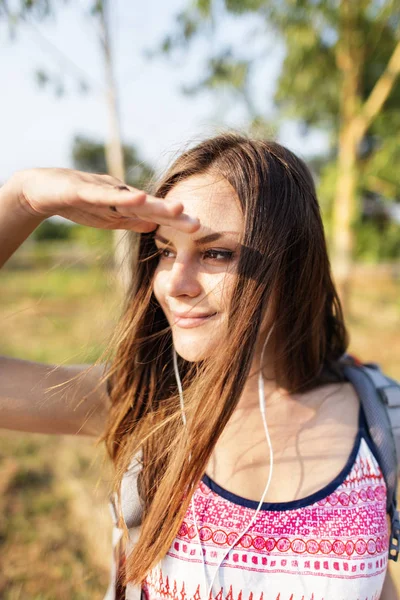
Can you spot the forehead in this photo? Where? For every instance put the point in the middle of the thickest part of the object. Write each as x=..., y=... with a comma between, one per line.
x=210, y=198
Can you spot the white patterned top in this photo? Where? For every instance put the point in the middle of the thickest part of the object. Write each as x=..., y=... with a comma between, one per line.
x=331, y=545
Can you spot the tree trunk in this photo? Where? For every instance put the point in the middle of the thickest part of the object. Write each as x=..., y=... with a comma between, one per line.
x=344, y=213
x=355, y=119
x=125, y=243
x=349, y=59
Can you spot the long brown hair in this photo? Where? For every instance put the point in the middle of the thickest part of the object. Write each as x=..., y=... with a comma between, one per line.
x=284, y=261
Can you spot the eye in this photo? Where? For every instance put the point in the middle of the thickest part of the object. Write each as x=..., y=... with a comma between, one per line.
x=219, y=255
x=165, y=252
x=212, y=254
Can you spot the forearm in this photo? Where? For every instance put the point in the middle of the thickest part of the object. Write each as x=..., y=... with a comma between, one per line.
x=16, y=224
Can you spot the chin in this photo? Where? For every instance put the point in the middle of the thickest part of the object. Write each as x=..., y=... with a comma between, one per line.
x=191, y=355
x=193, y=350
x=198, y=343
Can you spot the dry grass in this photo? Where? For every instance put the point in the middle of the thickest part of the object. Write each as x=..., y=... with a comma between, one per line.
x=55, y=528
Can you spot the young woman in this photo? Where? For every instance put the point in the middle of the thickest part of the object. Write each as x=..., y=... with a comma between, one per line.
x=258, y=477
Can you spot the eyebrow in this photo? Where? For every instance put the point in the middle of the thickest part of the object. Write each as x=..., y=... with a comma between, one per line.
x=212, y=237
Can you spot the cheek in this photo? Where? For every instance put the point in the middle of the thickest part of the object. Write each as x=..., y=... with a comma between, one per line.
x=222, y=289
x=158, y=286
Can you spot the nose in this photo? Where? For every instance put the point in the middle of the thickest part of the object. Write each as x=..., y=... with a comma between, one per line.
x=183, y=280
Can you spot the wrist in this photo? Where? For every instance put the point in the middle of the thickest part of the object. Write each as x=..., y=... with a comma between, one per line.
x=12, y=198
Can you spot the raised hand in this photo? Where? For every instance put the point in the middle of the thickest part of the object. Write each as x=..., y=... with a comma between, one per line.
x=95, y=200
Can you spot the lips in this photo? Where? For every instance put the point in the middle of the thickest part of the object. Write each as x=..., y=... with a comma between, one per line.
x=194, y=320
x=191, y=315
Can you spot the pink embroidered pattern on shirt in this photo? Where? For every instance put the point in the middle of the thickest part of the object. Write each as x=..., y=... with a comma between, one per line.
x=160, y=588
x=335, y=548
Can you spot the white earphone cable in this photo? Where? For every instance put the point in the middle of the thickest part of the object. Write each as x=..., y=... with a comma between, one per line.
x=261, y=394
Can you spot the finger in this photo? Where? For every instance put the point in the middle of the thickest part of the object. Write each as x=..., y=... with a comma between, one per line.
x=138, y=204
x=127, y=200
x=137, y=226
x=160, y=212
x=134, y=222
x=103, y=195
x=149, y=206
x=101, y=219
x=182, y=222
x=127, y=213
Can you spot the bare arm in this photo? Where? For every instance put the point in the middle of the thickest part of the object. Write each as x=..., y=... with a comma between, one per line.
x=44, y=398
x=16, y=224
x=27, y=402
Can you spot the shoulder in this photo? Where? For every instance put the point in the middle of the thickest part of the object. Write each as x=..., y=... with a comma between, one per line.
x=336, y=400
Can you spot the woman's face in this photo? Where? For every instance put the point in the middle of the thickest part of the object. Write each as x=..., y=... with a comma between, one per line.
x=195, y=276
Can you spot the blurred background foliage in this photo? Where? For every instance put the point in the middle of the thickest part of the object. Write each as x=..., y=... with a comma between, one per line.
x=336, y=57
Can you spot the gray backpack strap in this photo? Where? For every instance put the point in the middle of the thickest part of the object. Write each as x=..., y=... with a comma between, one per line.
x=380, y=397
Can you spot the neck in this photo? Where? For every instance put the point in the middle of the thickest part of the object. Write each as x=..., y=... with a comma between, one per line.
x=272, y=393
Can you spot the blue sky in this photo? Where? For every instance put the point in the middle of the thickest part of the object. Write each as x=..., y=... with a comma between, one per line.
x=37, y=129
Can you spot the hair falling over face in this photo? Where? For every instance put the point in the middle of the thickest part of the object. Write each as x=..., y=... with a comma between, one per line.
x=284, y=265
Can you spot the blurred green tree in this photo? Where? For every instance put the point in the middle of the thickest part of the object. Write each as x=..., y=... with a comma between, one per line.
x=340, y=73
x=29, y=11
x=51, y=229
x=90, y=155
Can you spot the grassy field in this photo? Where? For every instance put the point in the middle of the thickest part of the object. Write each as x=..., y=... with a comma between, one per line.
x=55, y=528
